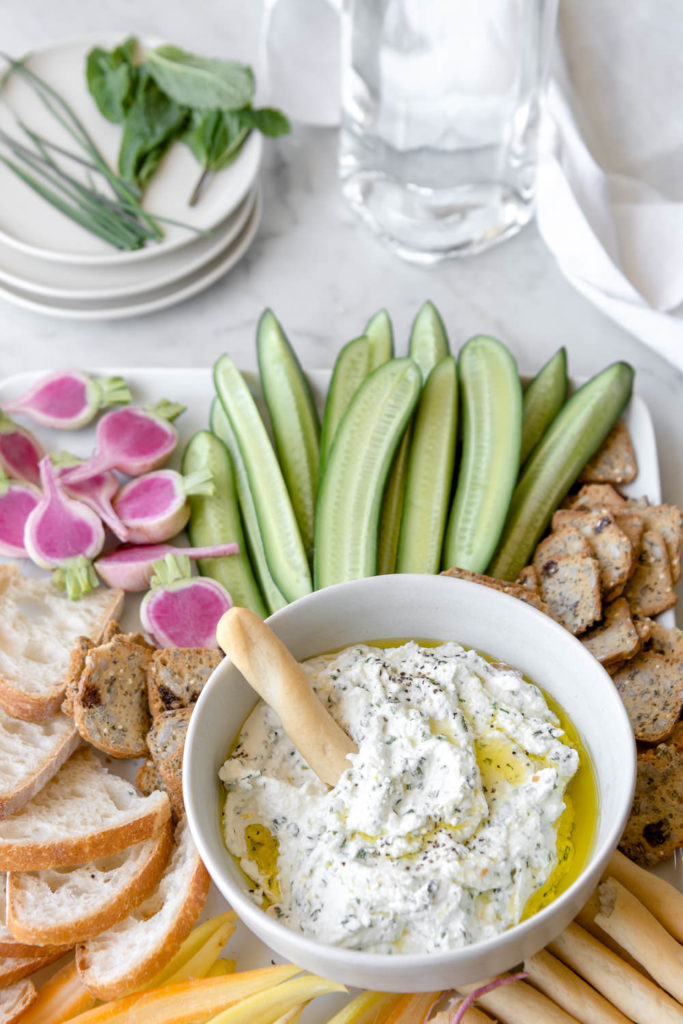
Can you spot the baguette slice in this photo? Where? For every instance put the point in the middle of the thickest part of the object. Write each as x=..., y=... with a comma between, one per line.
x=15, y=968
x=15, y=999
x=38, y=628
x=132, y=952
x=83, y=813
x=68, y=905
x=30, y=754
x=13, y=948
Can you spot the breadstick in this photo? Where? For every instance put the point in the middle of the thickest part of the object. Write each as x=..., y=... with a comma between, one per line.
x=279, y=679
x=586, y=918
x=631, y=992
x=571, y=992
x=472, y=1016
x=633, y=926
x=519, y=1003
x=661, y=899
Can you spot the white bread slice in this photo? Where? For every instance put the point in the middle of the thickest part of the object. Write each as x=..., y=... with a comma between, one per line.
x=38, y=627
x=68, y=905
x=14, y=968
x=15, y=999
x=129, y=954
x=11, y=947
x=84, y=812
x=30, y=754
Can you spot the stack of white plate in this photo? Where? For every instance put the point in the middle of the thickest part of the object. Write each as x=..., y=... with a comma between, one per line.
x=51, y=265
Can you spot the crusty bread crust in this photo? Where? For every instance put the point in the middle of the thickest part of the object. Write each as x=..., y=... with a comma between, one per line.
x=11, y=801
x=15, y=968
x=110, y=910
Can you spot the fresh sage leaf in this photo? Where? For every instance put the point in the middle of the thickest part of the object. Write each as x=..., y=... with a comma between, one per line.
x=201, y=82
x=214, y=137
x=152, y=122
x=112, y=77
x=266, y=119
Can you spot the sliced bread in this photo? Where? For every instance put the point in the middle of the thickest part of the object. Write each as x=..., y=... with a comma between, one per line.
x=84, y=812
x=15, y=999
x=130, y=953
x=12, y=947
x=14, y=968
x=30, y=754
x=176, y=675
x=38, y=628
x=109, y=703
x=68, y=905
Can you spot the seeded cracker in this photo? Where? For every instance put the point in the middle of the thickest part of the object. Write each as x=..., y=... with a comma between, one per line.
x=668, y=521
x=616, y=637
x=655, y=827
x=650, y=590
x=615, y=460
x=650, y=687
x=524, y=593
x=176, y=676
x=570, y=587
x=565, y=541
x=608, y=543
x=596, y=496
x=528, y=578
x=166, y=741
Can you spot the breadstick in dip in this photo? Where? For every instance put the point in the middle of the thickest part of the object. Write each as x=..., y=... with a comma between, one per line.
x=633, y=926
x=277, y=677
x=661, y=898
x=519, y=1003
x=631, y=992
x=570, y=991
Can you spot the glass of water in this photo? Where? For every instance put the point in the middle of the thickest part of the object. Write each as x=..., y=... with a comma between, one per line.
x=440, y=119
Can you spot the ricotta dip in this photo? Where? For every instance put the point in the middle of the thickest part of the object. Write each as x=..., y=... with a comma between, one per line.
x=442, y=827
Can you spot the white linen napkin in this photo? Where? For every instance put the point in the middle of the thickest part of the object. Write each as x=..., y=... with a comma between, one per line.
x=618, y=237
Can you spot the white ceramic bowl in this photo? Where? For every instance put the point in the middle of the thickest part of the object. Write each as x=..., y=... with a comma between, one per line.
x=436, y=608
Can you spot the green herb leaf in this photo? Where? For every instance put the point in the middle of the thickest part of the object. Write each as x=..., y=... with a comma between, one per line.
x=215, y=137
x=112, y=78
x=201, y=82
x=267, y=120
x=151, y=124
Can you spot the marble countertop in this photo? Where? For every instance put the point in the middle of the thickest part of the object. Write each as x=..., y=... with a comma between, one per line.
x=315, y=265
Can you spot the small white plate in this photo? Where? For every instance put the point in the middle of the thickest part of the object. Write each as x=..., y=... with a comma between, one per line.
x=68, y=282
x=29, y=223
x=148, y=301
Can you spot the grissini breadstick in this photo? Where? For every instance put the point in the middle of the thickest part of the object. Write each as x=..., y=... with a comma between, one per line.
x=472, y=1016
x=586, y=918
x=633, y=926
x=631, y=992
x=279, y=679
x=661, y=899
x=570, y=991
x=519, y=1003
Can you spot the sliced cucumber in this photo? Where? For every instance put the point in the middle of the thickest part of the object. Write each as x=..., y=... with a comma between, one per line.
x=294, y=418
x=542, y=401
x=380, y=334
x=392, y=506
x=350, y=370
x=428, y=339
x=352, y=486
x=491, y=403
x=280, y=533
x=430, y=472
x=572, y=439
x=215, y=519
x=221, y=427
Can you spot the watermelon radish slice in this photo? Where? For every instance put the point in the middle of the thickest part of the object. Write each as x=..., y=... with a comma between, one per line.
x=181, y=610
x=155, y=507
x=69, y=399
x=131, y=567
x=17, y=501
x=20, y=452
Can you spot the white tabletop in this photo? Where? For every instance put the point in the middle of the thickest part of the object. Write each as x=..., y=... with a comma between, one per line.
x=313, y=264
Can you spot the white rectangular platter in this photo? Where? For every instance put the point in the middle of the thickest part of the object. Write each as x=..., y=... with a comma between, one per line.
x=194, y=388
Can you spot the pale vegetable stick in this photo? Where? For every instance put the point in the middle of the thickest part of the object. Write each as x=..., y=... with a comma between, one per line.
x=631, y=992
x=186, y=1002
x=519, y=1003
x=221, y=967
x=60, y=998
x=366, y=1008
x=472, y=1016
x=661, y=899
x=411, y=1009
x=293, y=1016
x=194, y=941
x=279, y=679
x=570, y=991
x=633, y=926
x=198, y=965
x=266, y=1007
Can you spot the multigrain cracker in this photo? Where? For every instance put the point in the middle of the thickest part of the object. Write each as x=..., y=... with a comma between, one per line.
x=655, y=826
x=615, y=460
x=513, y=589
x=615, y=638
x=608, y=543
x=651, y=689
x=596, y=496
x=176, y=676
x=570, y=587
x=567, y=540
x=668, y=521
x=528, y=578
x=649, y=591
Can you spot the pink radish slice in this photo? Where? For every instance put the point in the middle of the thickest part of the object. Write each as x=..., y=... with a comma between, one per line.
x=131, y=568
x=62, y=533
x=96, y=492
x=185, y=613
x=20, y=452
x=69, y=399
x=17, y=501
x=132, y=440
x=155, y=506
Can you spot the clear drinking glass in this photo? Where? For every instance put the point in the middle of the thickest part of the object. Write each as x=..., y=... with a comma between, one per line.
x=440, y=117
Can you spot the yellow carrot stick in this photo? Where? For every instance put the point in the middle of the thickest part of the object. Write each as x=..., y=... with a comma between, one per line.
x=220, y=967
x=59, y=998
x=194, y=941
x=266, y=1007
x=412, y=1008
x=187, y=1001
x=198, y=965
x=367, y=1008
x=292, y=1017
